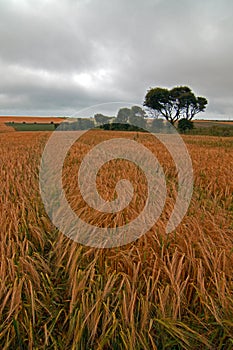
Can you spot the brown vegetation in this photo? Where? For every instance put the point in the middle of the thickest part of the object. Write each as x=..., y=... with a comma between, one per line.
x=6, y=128
x=161, y=292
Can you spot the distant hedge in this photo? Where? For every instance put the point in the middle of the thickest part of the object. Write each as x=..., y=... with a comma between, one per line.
x=121, y=127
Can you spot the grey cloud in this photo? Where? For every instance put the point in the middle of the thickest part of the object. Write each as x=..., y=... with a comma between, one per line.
x=57, y=57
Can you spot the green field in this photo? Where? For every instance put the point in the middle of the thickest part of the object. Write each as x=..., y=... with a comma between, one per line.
x=32, y=126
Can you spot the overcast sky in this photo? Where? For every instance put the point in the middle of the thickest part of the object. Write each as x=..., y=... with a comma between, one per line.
x=57, y=57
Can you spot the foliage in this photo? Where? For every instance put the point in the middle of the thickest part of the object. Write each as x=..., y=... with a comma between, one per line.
x=77, y=124
x=102, y=119
x=185, y=124
x=179, y=102
x=159, y=125
x=134, y=115
x=137, y=117
x=121, y=127
x=123, y=115
x=128, y=119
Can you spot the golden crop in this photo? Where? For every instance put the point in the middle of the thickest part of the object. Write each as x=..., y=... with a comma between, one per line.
x=161, y=292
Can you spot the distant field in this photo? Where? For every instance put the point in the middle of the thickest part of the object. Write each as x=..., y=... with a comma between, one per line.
x=210, y=123
x=28, y=123
x=30, y=119
x=32, y=126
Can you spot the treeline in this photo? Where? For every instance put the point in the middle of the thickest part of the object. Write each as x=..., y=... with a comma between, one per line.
x=76, y=124
x=128, y=119
x=176, y=107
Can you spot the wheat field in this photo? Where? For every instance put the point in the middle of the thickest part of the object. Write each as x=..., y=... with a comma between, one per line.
x=163, y=291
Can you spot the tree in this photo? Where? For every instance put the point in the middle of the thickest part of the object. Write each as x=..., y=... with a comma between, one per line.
x=123, y=115
x=85, y=123
x=77, y=124
x=185, y=124
x=138, y=111
x=102, y=119
x=134, y=115
x=179, y=102
x=137, y=116
x=157, y=125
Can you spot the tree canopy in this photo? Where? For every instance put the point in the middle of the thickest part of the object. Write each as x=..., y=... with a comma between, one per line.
x=185, y=124
x=137, y=116
x=174, y=104
x=102, y=119
x=134, y=115
x=123, y=115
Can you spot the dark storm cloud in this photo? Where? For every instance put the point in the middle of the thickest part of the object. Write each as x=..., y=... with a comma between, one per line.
x=58, y=57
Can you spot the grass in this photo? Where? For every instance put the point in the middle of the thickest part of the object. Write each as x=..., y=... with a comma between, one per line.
x=211, y=123
x=32, y=126
x=161, y=292
x=218, y=129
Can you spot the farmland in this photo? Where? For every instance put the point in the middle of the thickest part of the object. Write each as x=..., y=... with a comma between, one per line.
x=30, y=119
x=208, y=123
x=32, y=126
x=164, y=291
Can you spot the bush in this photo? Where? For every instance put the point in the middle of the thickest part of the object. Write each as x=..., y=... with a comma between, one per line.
x=121, y=127
x=185, y=124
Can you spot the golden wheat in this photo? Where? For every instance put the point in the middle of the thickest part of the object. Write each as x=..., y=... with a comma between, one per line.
x=161, y=292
